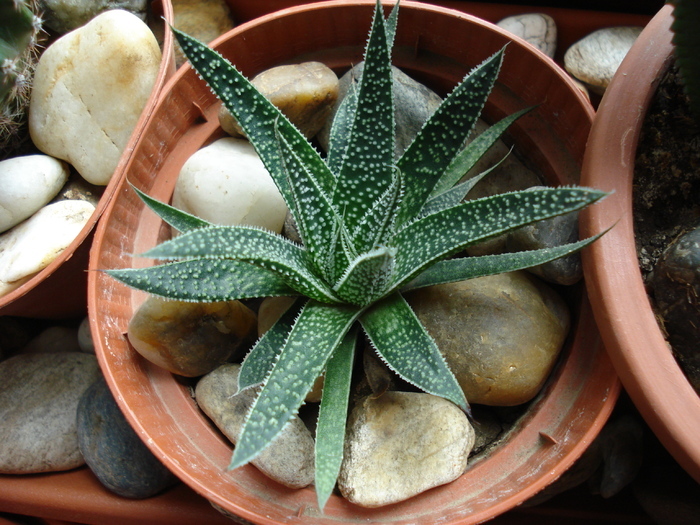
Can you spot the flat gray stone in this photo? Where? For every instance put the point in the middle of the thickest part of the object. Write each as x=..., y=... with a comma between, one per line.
x=289, y=459
x=38, y=405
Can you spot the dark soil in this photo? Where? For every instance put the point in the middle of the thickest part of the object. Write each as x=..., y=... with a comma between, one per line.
x=667, y=172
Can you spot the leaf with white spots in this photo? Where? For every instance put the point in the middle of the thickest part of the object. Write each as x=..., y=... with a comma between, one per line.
x=442, y=234
x=461, y=269
x=367, y=169
x=178, y=219
x=377, y=226
x=402, y=342
x=472, y=153
x=443, y=136
x=316, y=218
x=367, y=277
x=317, y=332
x=253, y=245
x=204, y=280
x=258, y=363
x=332, y=415
x=257, y=116
x=455, y=195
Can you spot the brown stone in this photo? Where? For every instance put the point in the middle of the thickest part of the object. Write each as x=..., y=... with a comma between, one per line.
x=500, y=334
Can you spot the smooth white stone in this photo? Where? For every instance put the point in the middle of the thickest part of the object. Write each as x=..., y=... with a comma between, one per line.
x=90, y=87
x=538, y=29
x=595, y=58
x=227, y=183
x=34, y=244
x=26, y=184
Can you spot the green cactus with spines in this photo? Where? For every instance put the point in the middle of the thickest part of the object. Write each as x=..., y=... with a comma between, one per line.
x=686, y=39
x=20, y=35
x=372, y=228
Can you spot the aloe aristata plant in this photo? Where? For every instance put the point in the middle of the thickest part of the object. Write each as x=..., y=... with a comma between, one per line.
x=372, y=228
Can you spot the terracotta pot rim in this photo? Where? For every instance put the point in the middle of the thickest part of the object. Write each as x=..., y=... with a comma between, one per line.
x=622, y=309
x=165, y=71
x=125, y=372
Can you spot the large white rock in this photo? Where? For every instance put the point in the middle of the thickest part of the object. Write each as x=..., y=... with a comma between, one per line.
x=89, y=90
x=32, y=245
x=227, y=183
x=26, y=184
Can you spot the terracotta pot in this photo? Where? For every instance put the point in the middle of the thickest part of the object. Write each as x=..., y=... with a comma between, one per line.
x=437, y=46
x=622, y=309
x=60, y=290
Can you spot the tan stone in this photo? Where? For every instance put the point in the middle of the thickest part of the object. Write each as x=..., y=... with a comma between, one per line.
x=401, y=444
x=501, y=334
x=305, y=93
x=191, y=339
x=595, y=58
x=202, y=19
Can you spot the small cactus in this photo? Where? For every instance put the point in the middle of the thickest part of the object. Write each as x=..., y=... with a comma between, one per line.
x=20, y=31
x=686, y=38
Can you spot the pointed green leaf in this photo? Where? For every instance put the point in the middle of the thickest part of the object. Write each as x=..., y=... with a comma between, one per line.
x=390, y=23
x=332, y=417
x=256, y=115
x=367, y=277
x=345, y=115
x=402, y=342
x=178, y=219
x=453, y=270
x=340, y=254
x=377, y=226
x=316, y=218
x=257, y=364
x=443, y=136
x=253, y=245
x=442, y=234
x=205, y=280
x=452, y=197
x=339, y=137
x=469, y=156
x=316, y=334
x=367, y=169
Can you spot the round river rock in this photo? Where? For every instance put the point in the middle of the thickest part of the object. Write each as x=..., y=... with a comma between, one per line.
x=500, y=334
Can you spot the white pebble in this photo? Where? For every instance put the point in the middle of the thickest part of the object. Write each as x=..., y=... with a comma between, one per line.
x=227, y=183
x=595, y=58
x=32, y=245
x=538, y=29
x=26, y=184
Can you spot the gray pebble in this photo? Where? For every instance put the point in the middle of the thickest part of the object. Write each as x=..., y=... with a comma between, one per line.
x=39, y=396
x=113, y=450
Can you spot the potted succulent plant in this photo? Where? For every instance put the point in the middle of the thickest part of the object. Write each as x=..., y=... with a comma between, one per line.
x=338, y=275
x=624, y=313
x=43, y=294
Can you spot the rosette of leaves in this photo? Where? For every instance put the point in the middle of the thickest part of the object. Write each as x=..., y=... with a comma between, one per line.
x=372, y=228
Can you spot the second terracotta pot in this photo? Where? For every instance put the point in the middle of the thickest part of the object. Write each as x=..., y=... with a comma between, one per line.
x=632, y=336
